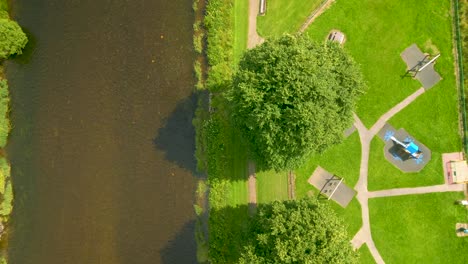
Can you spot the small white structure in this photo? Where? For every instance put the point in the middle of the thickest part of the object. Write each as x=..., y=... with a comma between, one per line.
x=262, y=10
x=458, y=170
x=337, y=36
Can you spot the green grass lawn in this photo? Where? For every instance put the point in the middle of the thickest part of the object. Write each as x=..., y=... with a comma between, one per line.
x=365, y=255
x=376, y=37
x=272, y=186
x=285, y=16
x=241, y=24
x=384, y=175
x=343, y=160
x=419, y=228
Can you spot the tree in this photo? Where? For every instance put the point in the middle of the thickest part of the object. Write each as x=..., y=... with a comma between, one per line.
x=292, y=96
x=12, y=38
x=302, y=231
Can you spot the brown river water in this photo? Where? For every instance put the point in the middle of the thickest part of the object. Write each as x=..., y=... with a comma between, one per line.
x=102, y=142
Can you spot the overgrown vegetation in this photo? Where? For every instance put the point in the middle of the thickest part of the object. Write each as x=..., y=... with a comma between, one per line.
x=292, y=96
x=12, y=41
x=300, y=231
x=220, y=38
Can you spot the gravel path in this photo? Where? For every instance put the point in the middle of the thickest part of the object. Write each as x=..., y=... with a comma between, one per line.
x=253, y=38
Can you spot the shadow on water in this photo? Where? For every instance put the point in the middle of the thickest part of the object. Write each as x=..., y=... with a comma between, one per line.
x=172, y=252
x=28, y=50
x=178, y=144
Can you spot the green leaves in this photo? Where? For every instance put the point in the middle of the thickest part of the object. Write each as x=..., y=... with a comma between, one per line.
x=302, y=231
x=292, y=96
x=12, y=38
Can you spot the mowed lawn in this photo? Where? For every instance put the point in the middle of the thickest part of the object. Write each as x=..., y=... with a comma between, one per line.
x=342, y=160
x=377, y=31
x=419, y=228
x=285, y=16
x=272, y=186
x=365, y=255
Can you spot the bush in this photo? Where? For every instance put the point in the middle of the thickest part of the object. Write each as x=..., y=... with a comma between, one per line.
x=4, y=174
x=6, y=205
x=220, y=36
x=13, y=39
x=4, y=107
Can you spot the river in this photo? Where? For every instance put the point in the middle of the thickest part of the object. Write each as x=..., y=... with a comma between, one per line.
x=102, y=142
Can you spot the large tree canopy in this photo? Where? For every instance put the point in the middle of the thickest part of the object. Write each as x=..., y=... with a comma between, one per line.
x=302, y=231
x=292, y=96
x=12, y=38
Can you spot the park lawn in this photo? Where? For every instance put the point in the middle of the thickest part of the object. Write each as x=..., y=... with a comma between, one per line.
x=241, y=27
x=384, y=175
x=285, y=16
x=365, y=257
x=343, y=160
x=376, y=38
x=272, y=186
x=419, y=228
x=351, y=215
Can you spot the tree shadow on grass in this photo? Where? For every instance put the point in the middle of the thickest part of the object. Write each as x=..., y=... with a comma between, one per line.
x=177, y=137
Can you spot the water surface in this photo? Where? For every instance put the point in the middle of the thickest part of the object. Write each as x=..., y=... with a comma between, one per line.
x=102, y=145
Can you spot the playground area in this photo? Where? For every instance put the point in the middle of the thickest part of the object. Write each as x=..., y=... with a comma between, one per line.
x=410, y=74
x=403, y=151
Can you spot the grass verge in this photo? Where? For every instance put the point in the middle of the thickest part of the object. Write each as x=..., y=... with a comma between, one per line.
x=419, y=228
x=272, y=186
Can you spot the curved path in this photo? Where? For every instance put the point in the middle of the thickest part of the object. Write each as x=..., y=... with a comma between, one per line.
x=253, y=38
x=366, y=135
x=364, y=235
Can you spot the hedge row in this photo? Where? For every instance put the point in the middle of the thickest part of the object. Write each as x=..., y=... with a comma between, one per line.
x=219, y=17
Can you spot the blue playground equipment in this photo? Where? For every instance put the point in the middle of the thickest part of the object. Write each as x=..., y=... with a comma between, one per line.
x=410, y=148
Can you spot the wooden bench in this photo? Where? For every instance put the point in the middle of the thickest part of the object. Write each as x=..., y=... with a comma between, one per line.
x=262, y=7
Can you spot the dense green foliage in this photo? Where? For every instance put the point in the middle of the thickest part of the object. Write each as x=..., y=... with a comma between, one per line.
x=219, y=24
x=4, y=106
x=12, y=38
x=292, y=96
x=301, y=231
x=6, y=189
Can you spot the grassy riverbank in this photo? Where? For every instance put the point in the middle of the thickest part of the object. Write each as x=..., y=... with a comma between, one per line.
x=6, y=187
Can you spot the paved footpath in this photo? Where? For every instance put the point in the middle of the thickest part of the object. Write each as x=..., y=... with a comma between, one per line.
x=364, y=234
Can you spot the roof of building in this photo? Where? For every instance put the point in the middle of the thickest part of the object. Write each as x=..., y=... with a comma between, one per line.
x=459, y=171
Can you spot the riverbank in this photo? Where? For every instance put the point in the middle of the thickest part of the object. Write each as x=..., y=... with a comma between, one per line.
x=6, y=187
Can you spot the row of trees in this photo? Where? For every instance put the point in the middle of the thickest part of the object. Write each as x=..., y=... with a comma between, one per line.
x=290, y=97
